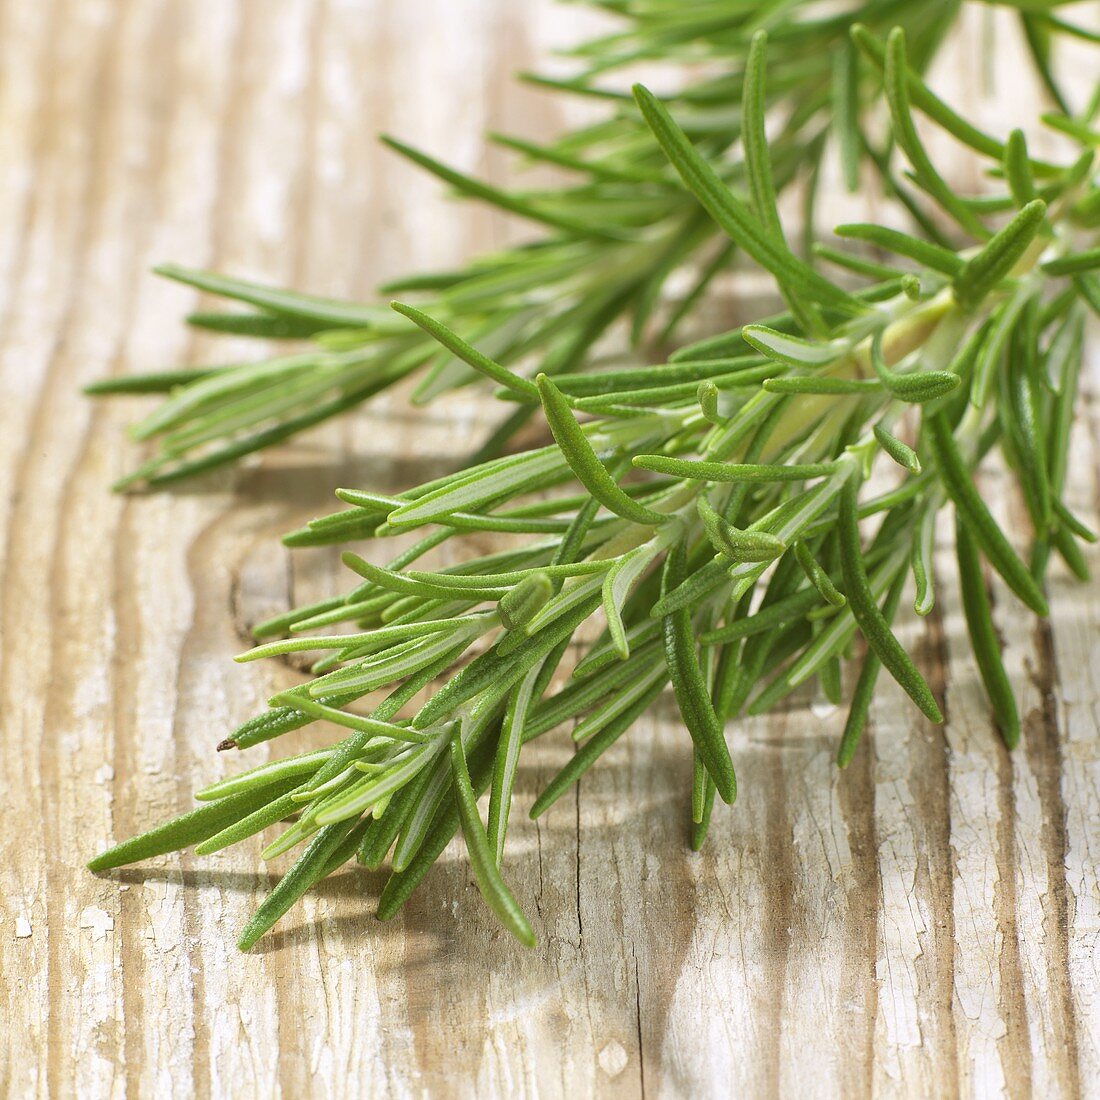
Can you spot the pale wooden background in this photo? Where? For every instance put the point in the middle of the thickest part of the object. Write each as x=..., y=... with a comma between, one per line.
x=924, y=925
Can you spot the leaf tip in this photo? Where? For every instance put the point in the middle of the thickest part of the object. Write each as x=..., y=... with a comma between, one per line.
x=248, y=938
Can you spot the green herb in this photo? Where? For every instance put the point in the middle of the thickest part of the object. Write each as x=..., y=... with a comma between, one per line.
x=613, y=236
x=694, y=522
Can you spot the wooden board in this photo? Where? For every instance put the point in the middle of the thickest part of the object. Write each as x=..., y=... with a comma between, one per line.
x=925, y=924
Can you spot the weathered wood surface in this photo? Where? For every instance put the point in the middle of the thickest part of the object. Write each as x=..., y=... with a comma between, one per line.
x=925, y=924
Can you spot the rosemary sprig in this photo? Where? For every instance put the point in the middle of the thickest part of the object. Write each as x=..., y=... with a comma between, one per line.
x=717, y=527
x=613, y=236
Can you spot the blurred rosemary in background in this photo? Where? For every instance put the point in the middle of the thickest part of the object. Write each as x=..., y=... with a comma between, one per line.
x=611, y=236
x=708, y=508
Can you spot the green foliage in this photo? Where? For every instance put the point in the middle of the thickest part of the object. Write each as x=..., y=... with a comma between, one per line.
x=613, y=233
x=716, y=530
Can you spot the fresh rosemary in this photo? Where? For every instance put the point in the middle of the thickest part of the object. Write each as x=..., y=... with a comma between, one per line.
x=613, y=237
x=709, y=508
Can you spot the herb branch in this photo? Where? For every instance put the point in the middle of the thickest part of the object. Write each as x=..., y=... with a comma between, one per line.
x=710, y=510
x=614, y=233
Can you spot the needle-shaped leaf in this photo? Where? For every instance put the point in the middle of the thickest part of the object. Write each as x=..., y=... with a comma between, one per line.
x=406, y=659
x=263, y=776
x=865, y=686
x=872, y=623
x=984, y=271
x=380, y=637
x=732, y=214
x=900, y=452
x=625, y=379
x=1088, y=286
x=191, y=828
x=691, y=691
x=1022, y=398
x=758, y=169
x=277, y=721
x=861, y=265
x=260, y=325
x=365, y=794
x=482, y=486
x=833, y=387
x=927, y=101
x=394, y=581
x=703, y=470
x=602, y=655
x=501, y=670
x=846, y=124
x=960, y=487
x=924, y=543
x=471, y=584
x=708, y=402
x=983, y=635
x=702, y=802
x=270, y=813
x=504, y=200
x=617, y=585
x=817, y=576
x=1037, y=35
x=593, y=749
x=830, y=679
x=454, y=343
x=591, y=690
x=584, y=462
x=563, y=603
x=519, y=606
x=1070, y=552
x=923, y=251
x=782, y=611
x=1073, y=524
x=693, y=588
x=1075, y=263
x=493, y=889
x=1017, y=169
x=308, y=869
x=653, y=674
x=288, y=303
x=784, y=348
x=918, y=387
x=376, y=844
x=153, y=382
x=507, y=760
x=442, y=828
x=896, y=84
x=993, y=342
x=1073, y=127
x=603, y=168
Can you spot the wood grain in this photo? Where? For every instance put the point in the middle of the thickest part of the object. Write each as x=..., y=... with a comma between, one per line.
x=924, y=924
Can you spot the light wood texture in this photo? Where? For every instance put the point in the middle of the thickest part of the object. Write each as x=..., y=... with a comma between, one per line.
x=925, y=924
